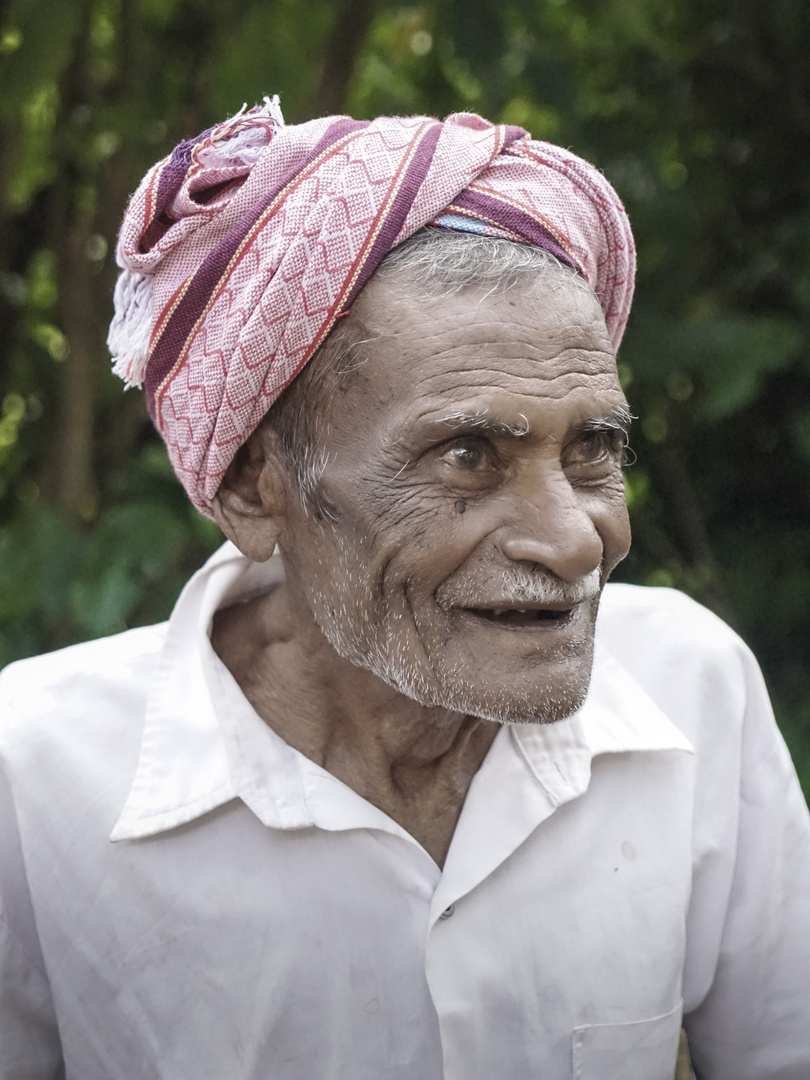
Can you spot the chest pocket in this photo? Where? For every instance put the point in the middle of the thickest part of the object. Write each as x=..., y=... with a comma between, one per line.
x=641, y=1050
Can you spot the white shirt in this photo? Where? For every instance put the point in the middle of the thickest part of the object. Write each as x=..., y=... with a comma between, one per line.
x=185, y=897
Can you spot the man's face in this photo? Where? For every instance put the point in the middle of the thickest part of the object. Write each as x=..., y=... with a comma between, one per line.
x=476, y=504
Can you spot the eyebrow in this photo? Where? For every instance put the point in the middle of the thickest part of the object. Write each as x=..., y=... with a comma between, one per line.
x=483, y=423
x=618, y=418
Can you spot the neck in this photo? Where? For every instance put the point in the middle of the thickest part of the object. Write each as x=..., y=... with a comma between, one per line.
x=413, y=762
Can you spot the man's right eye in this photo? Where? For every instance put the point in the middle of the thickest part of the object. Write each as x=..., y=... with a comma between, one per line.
x=467, y=454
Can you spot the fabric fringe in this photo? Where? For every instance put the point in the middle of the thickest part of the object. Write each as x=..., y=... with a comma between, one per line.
x=237, y=143
x=241, y=140
x=131, y=327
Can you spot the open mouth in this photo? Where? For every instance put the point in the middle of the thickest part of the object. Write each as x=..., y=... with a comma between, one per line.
x=524, y=617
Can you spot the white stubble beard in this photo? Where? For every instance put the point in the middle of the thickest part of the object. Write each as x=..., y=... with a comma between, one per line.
x=385, y=654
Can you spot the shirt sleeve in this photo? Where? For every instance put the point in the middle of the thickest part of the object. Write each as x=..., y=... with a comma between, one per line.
x=750, y=914
x=29, y=1038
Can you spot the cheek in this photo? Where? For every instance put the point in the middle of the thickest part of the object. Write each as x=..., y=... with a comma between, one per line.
x=398, y=525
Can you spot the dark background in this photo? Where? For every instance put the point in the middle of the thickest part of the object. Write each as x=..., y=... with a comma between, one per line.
x=699, y=114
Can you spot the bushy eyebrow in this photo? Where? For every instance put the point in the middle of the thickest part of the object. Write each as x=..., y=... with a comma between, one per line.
x=618, y=418
x=483, y=424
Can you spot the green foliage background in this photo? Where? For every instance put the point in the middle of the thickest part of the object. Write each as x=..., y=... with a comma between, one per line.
x=697, y=110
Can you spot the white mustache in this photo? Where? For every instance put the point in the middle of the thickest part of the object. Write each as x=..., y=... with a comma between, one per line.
x=520, y=587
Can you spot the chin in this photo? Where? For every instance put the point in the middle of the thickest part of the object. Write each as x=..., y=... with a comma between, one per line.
x=546, y=705
x=538, y=701
x=543, y=691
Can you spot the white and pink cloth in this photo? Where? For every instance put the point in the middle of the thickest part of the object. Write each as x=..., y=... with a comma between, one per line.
x=241, y=249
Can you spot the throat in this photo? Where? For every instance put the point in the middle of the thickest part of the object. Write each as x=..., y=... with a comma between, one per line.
x=412, y=762
x=427, y=803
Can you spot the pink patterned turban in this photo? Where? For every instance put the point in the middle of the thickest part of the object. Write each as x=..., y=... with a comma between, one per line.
x=241, y=249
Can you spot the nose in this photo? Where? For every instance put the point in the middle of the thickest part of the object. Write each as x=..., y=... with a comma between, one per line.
x=553, y=529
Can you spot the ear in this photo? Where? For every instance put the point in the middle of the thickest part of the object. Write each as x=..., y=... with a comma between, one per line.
x=250, y=504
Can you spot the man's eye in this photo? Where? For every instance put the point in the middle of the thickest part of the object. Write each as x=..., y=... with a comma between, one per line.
x=468, y=455
x=598, y=450
x=595, y=447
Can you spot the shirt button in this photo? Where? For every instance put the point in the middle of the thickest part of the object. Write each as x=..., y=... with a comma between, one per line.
x=448, y=911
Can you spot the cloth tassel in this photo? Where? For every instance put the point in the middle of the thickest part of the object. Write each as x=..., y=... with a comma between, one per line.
x=130, y=330
x=242, y=140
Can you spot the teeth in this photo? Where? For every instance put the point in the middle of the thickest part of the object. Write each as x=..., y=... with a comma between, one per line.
x=499, y=611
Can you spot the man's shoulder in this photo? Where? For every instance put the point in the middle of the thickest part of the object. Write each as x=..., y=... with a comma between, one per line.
x=686, y=659
x=71, y=730
x=78, y=684
x=660, y=619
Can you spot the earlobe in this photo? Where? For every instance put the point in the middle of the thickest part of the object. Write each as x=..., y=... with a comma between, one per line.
x=249, y=504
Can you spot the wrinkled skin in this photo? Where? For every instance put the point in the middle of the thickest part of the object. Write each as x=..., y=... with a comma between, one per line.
x=477, y=449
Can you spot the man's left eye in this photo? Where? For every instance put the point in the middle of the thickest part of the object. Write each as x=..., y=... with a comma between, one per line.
x=594, y=447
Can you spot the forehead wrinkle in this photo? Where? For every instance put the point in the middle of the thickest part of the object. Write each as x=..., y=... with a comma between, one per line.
x=512, y=340
x=526, y=391
x=575, y=362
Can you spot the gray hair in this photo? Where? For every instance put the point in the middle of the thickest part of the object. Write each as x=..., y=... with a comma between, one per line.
x=434, y=262
x=440, y=262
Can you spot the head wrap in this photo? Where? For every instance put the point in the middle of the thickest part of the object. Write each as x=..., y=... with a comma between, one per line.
x=241, y=249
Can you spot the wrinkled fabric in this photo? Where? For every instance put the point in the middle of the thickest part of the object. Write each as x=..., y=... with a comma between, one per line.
x=242, y=248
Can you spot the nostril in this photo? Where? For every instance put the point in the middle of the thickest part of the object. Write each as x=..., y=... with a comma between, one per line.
x=569, y=555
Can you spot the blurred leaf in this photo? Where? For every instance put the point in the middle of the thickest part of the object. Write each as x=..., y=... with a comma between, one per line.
x=131, y=546
x=727, y=356
x=45, y=30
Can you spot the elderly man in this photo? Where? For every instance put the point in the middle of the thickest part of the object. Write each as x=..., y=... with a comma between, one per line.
x=391, y=802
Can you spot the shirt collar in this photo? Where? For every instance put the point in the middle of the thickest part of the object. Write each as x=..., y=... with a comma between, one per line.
x=203, y=744
x=183, y=770
x=618, y=717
